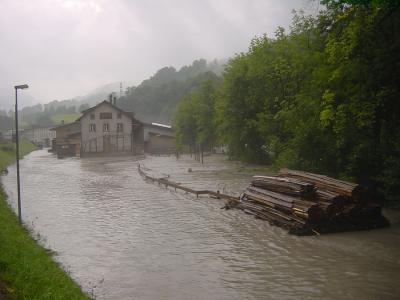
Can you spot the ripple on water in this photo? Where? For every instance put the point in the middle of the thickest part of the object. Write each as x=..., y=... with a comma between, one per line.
x=128, y=239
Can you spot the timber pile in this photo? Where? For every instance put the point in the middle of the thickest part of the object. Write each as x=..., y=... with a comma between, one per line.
x=306, y=203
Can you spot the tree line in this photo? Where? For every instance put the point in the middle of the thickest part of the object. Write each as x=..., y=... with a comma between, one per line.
x=322, y=96
x=156, y=98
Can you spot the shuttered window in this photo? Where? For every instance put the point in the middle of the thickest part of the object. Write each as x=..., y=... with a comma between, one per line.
x=105, y=115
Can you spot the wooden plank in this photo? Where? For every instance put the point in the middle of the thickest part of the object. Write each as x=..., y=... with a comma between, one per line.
x=325, y=183
x=270, y=194
x=265, y=199
x=284, y=185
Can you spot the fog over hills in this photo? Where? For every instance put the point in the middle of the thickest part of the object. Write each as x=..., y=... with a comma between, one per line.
x=7, y=99
x=63, y=49
x=154, y=100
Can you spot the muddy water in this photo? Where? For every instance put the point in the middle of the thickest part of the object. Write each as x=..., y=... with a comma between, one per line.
x=123, y=238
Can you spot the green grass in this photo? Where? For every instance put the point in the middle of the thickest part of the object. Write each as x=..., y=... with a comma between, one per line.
x=26, y=268
x=7, y=152
x=68, y=118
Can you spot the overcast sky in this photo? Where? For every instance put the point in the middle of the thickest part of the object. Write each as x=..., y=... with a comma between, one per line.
x=66, y=48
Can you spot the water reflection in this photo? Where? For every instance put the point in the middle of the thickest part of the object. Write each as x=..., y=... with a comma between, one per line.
x=126, y=239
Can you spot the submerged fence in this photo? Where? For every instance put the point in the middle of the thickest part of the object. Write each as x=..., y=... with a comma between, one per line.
x=167, y=183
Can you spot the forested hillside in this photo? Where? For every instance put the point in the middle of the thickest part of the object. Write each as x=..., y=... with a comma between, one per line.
x=156, y=98
x=322, y=97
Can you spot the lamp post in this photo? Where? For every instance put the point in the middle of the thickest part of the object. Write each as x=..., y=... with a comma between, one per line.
x=18, y=87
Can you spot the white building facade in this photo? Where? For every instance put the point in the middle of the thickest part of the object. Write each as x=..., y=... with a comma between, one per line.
x=107, y=129
x=41, y=136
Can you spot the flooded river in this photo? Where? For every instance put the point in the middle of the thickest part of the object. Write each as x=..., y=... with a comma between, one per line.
x=123, y=238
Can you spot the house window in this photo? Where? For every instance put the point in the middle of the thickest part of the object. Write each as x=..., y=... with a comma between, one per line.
x=106, y=127
x=105, y=115
x=119, y=115
x=120, y=127
x=92, y=117
x=92, y=127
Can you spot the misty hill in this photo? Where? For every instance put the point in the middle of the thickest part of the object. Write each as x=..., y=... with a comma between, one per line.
x=156, y=98
x=56, y=111
x=7, y=98
x=101, y=93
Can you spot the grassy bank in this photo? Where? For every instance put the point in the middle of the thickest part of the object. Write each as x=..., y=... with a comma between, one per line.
x=7, y=152
x=27, y=270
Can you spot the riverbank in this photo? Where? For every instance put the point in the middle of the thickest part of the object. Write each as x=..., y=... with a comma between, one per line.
x=27, y=270
x=7, y=152
x=123, y=238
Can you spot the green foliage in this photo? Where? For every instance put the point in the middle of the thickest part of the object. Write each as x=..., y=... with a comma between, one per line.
x=194, y=119
x=46, y=115
x=7, y=152
x=83, y=107
x=322, y=97
x=365, y=3
x=67, y=118
x=156, y=99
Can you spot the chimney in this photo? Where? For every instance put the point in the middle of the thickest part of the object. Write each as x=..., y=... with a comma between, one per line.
x=115, y=100
x=110, y=98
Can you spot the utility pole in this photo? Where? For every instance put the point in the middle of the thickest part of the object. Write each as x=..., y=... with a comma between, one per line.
x=18, y=87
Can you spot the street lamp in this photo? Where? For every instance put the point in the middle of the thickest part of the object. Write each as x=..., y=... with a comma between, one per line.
x=18, y=87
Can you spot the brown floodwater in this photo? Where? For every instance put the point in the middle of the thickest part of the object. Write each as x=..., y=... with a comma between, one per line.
x=123, y=238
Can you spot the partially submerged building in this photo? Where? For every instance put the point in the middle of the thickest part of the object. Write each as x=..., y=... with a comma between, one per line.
x=68, y=139
x=106, y=129
x=159, y=139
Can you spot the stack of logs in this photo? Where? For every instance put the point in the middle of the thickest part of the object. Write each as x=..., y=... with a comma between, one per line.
x=306, y=203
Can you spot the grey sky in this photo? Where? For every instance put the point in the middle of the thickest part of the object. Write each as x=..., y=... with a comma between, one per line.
x=65, y=48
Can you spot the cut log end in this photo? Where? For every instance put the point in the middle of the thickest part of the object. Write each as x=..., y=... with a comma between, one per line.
x=309, y=204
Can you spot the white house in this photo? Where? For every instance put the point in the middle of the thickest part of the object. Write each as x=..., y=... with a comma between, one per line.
x=105, y=128
x=41, y=135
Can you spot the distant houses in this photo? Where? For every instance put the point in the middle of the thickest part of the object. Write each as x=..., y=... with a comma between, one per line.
x=40, y=136
x=106, y=129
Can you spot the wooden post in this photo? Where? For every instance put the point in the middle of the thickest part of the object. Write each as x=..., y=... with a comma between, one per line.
x=202, y=154
x=132, y=139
